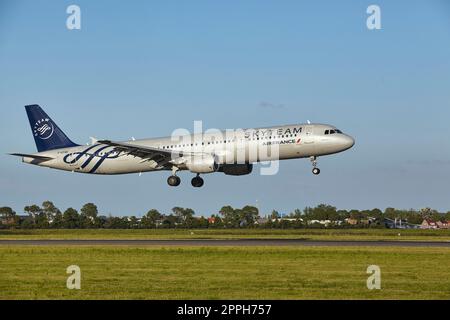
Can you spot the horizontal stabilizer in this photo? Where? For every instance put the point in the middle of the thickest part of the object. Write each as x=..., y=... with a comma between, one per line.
x=37, y=157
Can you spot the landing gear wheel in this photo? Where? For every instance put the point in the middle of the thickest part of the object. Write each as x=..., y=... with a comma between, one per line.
x=173, y=181
x=197, y=182
x=315, y=170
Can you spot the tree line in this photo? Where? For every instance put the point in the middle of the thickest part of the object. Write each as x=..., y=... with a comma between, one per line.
x=48, y=216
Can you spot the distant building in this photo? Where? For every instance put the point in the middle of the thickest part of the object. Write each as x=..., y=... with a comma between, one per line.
x=431, y=224
x=212, y=220
x=400, y=224
x=322, y=222
x=287, y=219
x=4, y=220
x=261, y=221
x=428, y=224
x=351, y=221
x=443, y=224
x=7, y=219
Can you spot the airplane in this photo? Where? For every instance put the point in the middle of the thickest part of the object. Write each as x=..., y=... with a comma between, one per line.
x=230, y=152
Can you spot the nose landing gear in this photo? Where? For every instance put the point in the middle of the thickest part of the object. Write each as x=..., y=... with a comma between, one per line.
x=315, y=170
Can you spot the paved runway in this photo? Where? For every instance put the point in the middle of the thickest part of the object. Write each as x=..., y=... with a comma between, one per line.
x=237, y=242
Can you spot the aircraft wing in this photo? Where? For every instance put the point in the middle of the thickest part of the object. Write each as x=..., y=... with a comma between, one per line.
x=161, y=156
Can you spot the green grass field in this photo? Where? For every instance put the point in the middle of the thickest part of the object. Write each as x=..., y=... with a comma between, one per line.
x=307, y=234
x=28, y=272
x=129, y=272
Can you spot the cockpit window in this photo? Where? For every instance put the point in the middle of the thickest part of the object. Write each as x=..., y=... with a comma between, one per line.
x=332, y=131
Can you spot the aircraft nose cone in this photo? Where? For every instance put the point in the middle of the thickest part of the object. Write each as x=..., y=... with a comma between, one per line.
x=347, y=142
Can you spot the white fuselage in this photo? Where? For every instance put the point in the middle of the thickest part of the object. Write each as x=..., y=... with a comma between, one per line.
x=243, y=146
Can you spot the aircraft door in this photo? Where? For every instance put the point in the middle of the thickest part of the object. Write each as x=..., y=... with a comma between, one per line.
x=309, y=136
x=307, y=145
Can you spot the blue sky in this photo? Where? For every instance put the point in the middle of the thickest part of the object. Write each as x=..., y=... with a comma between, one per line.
x=144, y=68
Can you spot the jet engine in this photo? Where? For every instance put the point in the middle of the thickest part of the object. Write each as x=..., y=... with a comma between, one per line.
x=236, y=169
x=202, y=164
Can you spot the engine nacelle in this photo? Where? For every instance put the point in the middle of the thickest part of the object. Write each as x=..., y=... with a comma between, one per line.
x=236, y=169
x=202, y=164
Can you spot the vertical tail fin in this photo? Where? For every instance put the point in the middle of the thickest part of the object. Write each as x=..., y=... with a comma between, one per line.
x=46, y=133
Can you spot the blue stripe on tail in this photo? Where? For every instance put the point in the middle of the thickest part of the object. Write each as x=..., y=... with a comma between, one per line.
x=46, y=133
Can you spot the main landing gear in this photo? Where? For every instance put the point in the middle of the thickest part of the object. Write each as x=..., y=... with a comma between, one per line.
x=197, y=182
x=315, y=170
x=174, y=180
